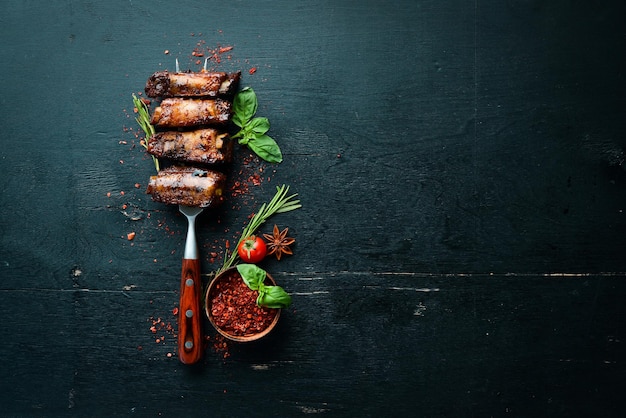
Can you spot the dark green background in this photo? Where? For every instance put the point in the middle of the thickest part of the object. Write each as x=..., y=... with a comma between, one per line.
x=462, y=246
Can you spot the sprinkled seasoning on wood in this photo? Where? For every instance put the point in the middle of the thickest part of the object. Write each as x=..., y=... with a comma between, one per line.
x=250, y=173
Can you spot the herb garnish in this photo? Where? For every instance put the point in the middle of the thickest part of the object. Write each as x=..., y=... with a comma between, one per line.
x=143, y=119
x=253, y=130
x=269, y=296
x=280, y=203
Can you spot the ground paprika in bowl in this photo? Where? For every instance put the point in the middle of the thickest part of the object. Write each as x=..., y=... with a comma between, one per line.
x=232, y=310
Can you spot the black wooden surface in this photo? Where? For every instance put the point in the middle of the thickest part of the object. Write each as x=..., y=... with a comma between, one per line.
x=460, y=252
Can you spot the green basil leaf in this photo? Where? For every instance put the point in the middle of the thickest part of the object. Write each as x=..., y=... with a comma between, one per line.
x=238, y=119
x=274, y=297
x=250, y=136
x=258, y=125
x=244, y=106
x=265, y=147
x=244, y=140
x=252, y=275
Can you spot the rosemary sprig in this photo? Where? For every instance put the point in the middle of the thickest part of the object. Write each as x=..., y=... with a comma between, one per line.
x=280, y=203
x=143, y=119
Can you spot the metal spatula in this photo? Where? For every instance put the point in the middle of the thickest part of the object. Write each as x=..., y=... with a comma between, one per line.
x=189, y=320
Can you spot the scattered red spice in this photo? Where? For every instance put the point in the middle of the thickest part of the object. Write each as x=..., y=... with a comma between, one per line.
x=250, y=175
x=130, y=236
x=219, y=345
x=161, y=330
x=234, y=308
x=215, y=54
x=255, y=179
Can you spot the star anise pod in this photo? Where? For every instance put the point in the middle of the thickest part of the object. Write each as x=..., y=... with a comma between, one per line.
x=278, y=242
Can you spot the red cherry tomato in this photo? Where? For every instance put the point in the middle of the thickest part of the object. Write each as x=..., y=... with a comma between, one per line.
x=252, y=249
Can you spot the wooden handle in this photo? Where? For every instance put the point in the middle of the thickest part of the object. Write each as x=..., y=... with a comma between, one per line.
x=190, y=340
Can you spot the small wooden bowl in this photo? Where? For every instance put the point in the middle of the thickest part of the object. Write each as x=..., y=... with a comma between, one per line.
x=211, y=292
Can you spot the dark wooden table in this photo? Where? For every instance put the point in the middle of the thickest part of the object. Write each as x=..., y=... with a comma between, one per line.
x=461, y=250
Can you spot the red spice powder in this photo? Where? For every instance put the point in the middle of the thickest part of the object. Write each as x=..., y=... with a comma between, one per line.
x=219, y=345
x=234, y=308
x=249, y=176
x=215, y=54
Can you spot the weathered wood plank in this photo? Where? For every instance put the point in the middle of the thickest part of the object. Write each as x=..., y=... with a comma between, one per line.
x=450, y=157
x=473, y=345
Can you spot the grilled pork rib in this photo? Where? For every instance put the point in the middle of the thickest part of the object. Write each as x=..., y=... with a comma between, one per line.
x=202, y=84
x=207, y=146
x=180, y=113
x=189, y=186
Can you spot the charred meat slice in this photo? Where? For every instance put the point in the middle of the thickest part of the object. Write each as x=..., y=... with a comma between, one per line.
x=201, y=84
x=189, y=186
x=181, y=113
x=207, y=146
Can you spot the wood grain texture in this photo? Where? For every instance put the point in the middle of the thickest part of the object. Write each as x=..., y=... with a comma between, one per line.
x=472, y=345
x=460, y=250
